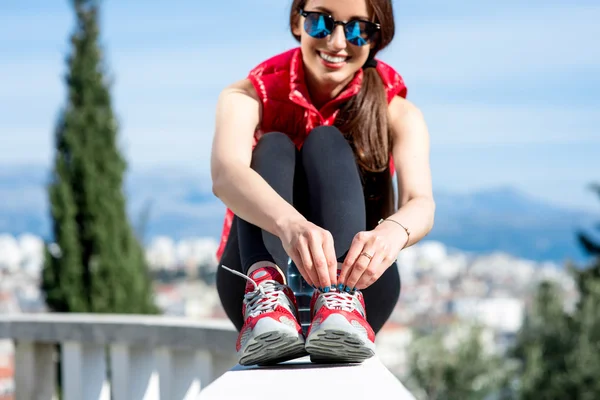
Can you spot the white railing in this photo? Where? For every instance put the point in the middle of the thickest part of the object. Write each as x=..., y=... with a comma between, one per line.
x=133, y=357
x=126, y=357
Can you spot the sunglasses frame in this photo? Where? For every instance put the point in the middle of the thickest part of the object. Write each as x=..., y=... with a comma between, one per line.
x=376, y=27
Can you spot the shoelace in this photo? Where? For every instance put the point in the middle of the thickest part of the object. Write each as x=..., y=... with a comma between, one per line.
x=340, y=300
x=265, y=296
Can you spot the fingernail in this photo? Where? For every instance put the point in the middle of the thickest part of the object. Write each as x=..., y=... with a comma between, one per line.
x=347, y=289
x=340, y=287
x=354, y=289
x=327, y=289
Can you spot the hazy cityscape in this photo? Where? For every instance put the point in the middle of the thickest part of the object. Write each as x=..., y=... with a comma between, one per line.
x=441, y=287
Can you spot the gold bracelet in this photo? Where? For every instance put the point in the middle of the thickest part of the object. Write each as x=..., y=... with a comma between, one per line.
x=403, y=227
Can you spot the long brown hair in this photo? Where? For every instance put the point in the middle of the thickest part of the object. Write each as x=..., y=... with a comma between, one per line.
x=363, y=118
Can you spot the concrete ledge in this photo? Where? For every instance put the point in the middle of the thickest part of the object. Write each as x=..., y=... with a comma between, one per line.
x=215, y=336
x=134, y=340
x=300, y=379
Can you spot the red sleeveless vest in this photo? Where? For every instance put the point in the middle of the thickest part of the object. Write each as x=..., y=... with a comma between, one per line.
x=286, y=107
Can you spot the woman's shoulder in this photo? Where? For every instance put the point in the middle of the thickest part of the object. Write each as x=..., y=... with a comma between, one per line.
x=400, y=107
x=405, y=117
x=242, y=86
x=240, y=95
x=392, y=81
x=240, y=101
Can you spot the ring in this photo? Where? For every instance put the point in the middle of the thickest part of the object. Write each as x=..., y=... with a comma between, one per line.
x=366, y=255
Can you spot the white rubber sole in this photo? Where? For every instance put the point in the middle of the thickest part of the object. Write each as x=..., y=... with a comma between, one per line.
x=335, y=340
x=271, y=342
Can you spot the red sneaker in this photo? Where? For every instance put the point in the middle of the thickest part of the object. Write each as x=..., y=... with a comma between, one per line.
x=339, y=331
x=271, y=332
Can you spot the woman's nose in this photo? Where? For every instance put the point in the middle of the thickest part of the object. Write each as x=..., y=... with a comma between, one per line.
x=338, y=38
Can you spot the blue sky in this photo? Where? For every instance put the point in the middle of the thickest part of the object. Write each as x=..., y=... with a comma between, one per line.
x=509, y=89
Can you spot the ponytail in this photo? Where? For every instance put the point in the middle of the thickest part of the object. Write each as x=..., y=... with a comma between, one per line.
x=364, y=121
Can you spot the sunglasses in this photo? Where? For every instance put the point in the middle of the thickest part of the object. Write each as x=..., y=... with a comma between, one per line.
x=320, y=25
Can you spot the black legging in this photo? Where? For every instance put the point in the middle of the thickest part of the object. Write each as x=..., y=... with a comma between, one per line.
x=323, y=182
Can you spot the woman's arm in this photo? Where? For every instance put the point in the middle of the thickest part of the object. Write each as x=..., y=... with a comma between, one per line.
x=410, y=150
x=250, y=197
x=239, y=187
x=372, y=252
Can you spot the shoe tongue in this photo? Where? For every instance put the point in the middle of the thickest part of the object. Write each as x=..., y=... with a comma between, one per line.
x=264, y=274
x=340, y=297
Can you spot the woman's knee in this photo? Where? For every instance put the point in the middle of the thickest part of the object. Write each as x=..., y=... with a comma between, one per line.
x=327, y=143
x=274, y=141
x=273, y=149
x=325, y=139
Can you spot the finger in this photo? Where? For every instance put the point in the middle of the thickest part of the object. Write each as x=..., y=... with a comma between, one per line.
x=295, y=256
x=373, y=271
x=356, y=248
x=319, y=260
x=307, y=263
x=359, y=267
x=329, y=251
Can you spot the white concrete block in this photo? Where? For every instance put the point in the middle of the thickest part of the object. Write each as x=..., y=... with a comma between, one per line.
x=300, y=379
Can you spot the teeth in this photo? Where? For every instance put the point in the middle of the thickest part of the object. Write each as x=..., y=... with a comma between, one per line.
x=332, y=59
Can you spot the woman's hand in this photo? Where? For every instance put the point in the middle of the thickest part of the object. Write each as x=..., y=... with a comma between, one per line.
x=311, y=248
x=371, y=254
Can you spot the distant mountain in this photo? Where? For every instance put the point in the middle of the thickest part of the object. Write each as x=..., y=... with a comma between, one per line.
x=509, y=221
x=180, y=204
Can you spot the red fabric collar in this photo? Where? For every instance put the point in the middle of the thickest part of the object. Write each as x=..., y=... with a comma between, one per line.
x=299, y=90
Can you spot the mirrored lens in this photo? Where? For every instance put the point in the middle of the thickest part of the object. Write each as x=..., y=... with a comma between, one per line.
x=358, y=33
x=318, y=25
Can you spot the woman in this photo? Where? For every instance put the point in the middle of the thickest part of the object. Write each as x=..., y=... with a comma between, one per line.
x=303, y=157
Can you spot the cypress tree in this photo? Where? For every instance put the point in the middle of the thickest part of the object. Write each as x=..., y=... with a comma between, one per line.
x=96, y=264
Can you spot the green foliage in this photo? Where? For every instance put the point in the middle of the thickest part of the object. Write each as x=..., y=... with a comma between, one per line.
x=463, y=371
x=545, y=336
x=97, y=264
x=560, y=351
